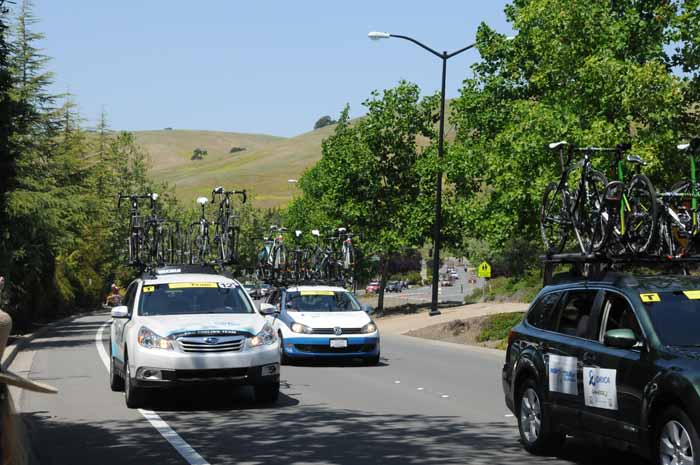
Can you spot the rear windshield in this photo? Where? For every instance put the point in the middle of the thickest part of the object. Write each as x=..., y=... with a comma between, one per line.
x=675, y=316
x=193, y=299
x=321, y=301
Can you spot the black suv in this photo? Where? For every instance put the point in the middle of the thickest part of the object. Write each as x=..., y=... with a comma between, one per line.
x=616, y=359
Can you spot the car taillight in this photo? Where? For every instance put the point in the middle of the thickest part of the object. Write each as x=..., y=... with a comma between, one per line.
x=511, y=336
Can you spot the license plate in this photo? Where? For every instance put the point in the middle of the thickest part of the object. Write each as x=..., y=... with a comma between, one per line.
x=339, y=343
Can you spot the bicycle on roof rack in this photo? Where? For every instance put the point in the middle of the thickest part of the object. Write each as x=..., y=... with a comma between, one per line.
x=137, y=237
x=198, y=244
x=227, y=225
x=629, y=213
x=579, y=210
x=272, y=259
x=678, y=211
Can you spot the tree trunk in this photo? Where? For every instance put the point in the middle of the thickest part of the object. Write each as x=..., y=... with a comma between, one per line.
x=384, y=267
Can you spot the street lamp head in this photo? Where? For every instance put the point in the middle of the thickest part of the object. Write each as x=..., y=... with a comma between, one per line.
x=374, y=35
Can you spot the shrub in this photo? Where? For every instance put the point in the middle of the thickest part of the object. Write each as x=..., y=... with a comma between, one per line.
x=496, y=327
x=236, y=149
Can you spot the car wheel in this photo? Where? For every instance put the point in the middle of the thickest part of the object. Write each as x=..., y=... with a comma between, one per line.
x=533, y=423
x=284, y=358
x=372, y=361
x=267, y=393
x=116, y=382
x=133, y=396
x=677, y=440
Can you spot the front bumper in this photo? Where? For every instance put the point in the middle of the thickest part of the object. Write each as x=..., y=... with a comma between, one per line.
x=250, y=366
x=305, y=347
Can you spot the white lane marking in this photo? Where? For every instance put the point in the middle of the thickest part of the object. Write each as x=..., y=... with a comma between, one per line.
x=397, y=382
x=445, y=396
x=175, y=440
x=419, y=389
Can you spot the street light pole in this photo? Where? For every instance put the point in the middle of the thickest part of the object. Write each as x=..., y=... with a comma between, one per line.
x=444, y=56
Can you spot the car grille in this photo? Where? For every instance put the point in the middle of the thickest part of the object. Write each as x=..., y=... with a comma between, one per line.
x=324, y=349
x=211, y=344
x=210, y=375
x=332, y=331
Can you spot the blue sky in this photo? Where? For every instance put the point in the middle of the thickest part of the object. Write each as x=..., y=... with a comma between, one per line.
x=259, y=66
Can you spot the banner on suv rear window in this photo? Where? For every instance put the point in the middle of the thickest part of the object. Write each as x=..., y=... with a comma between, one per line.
x=190, y=285
x=600, y=388
x=317, y=293
x=692, y=295
x=563, y=374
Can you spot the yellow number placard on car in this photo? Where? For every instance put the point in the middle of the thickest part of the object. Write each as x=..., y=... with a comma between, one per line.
x=190, y=285
x=317, y=293
x=652, y=297
x=692, y=295
x=149, y=288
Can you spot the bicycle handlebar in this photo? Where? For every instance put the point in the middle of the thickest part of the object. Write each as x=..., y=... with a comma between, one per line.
x=219, y=190
x=152, y=196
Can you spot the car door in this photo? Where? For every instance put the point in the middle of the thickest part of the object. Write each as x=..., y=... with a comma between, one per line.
x=615, y=378
x=564, y=352
x=118, y=324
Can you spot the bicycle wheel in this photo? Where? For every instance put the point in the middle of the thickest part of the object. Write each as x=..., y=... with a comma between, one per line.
x=554, y=222
x=588, y=222
x=641, y=211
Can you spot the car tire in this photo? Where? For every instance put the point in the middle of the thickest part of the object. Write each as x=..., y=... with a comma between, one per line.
x=267, y=393
x=284, y=358
x=116, y=382
x=372, y=361
x=675, y=423
x=536, y=432
x=133, y=396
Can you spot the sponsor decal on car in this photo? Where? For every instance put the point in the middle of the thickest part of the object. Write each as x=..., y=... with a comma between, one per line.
x=317, y=293
x=149, y=288
x=692, y=295
x=600, y=388
x=563, y=374
x=650, y=297
x=190, y=285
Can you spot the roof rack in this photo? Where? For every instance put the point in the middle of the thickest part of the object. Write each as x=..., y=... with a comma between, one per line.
x=153, y=272
x=596, y=266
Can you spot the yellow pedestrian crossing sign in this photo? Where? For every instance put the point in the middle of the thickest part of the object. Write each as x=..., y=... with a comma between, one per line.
x=484, y=270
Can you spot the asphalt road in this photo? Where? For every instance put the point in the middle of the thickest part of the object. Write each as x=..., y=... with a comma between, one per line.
x=426, y=403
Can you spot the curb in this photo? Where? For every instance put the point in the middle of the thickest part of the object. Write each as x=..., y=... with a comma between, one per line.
x=23, y=341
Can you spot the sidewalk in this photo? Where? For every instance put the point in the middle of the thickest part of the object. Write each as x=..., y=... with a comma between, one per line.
x=400, y=324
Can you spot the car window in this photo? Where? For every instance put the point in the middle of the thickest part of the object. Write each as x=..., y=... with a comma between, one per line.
x=675, y=317
x=544, y=311
x=617, y=314
x=575, y=317
x=193, y=298
x=129, y=296
x=321, y=301
x=274, y=298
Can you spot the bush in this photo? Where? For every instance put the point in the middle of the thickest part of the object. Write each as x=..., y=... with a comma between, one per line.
x=324, y=121
x=496, y=327
x=199, y=154
x=411, y=277
x=236, y=149
x=514, y=289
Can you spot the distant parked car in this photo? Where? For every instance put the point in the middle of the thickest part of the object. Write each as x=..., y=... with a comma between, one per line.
x=394, y=286
x=264, y=290
x=372, y=287
x=253, y=290
x=446, y=280
x=454, y=275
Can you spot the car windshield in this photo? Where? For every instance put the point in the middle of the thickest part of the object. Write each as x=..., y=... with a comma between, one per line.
x=193, y=299
x=675, y=316
x=321, y=301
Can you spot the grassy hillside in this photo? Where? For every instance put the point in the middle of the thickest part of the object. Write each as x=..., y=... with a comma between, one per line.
x=173, y=148
x=263, y=169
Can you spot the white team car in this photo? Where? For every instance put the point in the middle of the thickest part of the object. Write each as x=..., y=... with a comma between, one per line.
x=178, y=329
x=322, y=322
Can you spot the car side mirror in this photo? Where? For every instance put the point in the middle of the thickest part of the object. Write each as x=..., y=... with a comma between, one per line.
x=620, y=338
x=268, y=309
x=368, y=309
x=122, y=311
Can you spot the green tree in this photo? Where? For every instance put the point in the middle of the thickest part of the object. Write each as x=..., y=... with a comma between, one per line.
x=199, y=154
x=324, y=121
x=592, y=73
x=373, y=177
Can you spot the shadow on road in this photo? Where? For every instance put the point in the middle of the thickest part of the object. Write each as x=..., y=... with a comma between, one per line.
x=212, y=399
x=322, y=434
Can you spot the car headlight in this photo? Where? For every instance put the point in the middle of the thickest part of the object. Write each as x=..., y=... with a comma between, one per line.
x=368, y=328
x=266, y=336
x=151, y=340
x=300, y=328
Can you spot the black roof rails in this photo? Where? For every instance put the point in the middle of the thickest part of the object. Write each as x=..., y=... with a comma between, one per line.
x=597, y=267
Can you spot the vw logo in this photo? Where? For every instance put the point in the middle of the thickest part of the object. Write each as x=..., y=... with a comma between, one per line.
x=211, y=340
x=337, y=331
